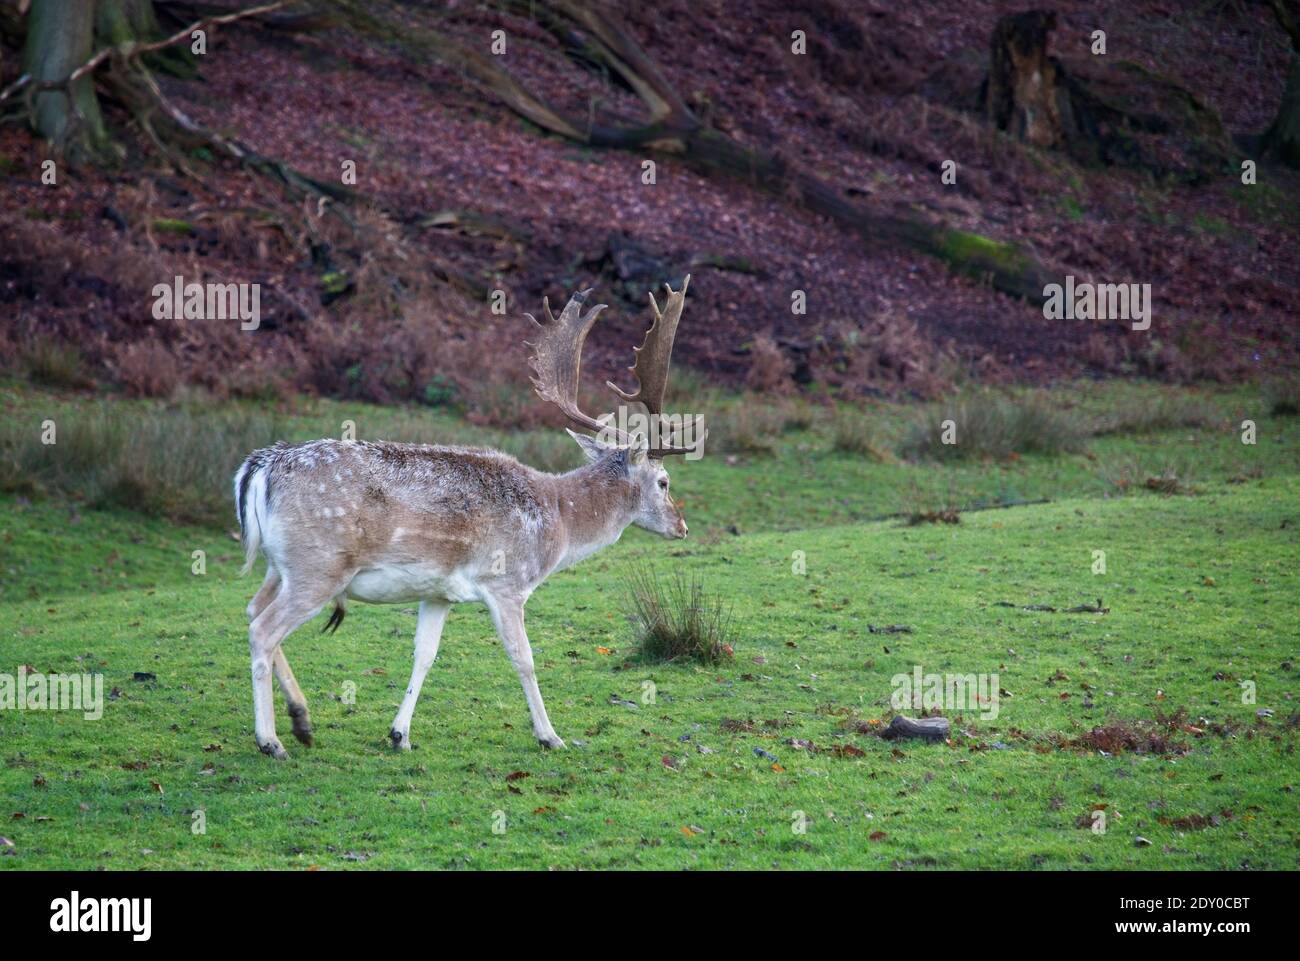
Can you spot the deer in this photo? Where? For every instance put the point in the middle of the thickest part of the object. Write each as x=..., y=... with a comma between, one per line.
x=392, y=523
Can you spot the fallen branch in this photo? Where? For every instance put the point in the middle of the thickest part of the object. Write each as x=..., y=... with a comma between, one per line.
x=133, y=50
x=1049, y=609
x=927, y=728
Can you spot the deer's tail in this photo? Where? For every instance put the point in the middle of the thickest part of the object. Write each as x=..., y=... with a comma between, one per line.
x=252, y=506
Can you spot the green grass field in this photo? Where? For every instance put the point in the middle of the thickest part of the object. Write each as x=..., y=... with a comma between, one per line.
x=662, y=770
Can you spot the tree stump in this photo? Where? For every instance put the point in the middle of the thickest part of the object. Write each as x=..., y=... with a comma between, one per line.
x=1097, y=111
x=1024, y=94
x=928, y=728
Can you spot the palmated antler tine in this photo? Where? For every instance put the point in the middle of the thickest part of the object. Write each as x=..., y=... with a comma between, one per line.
x=557, y=360
x=654, y=355
x=653, y=359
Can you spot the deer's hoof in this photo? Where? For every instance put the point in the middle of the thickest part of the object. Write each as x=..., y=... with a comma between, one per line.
x=549, y=741
x=274, y=749
x=401, y=742
x=301, y=725
x=302, y=731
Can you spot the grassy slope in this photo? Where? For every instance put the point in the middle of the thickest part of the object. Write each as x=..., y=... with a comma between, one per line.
x=117, y=590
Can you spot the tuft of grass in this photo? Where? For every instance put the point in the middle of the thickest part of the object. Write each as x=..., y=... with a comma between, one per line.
x=854, y=433
x=1166, y=412
x=746, y=428
x=1283, y=397
x=754, y=423
x=992, y=425
x=1130, y=474
x=676, y=620
x=44, y=360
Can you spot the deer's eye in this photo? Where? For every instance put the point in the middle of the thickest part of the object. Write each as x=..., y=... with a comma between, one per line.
x=663, y=483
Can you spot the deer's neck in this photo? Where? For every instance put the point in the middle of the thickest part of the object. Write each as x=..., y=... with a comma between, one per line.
x=596, y=503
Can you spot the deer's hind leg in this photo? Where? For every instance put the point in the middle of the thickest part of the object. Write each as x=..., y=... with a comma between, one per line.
x=296, y=603
x=270, y=586
x=293, y=697
x=279, y=664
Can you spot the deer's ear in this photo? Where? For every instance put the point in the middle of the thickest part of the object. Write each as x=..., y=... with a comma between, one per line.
x=593, y=448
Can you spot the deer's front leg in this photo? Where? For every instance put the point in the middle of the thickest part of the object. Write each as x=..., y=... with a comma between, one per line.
x=508, y=616
x=428, y=632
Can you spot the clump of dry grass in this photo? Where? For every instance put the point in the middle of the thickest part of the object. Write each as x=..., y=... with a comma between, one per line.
x=755, y=423
x=1282, y=395
x=175, y=462
x=1128, y=475
x=889, y=353
x=51, y=362
x=852, y=432
x=1166, y=412
x=148, y=369
x=986, y=424
x=770, y=369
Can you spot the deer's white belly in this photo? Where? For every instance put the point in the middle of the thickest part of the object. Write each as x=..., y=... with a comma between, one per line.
x=398, y=583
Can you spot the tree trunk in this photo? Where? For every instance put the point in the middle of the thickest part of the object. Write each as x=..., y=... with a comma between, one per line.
x=1098, y=113
x=1283, y=136
x=124, y=21
x=1023, y=94
x=60, y=38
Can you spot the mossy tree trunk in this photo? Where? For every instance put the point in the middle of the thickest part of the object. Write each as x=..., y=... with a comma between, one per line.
x=123, y=21
x=60, y=38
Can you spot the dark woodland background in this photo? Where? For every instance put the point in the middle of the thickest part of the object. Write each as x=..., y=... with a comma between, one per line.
x=522, y=172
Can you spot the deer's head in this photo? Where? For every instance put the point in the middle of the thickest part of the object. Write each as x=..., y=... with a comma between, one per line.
x=557, y=360
x=655, y=511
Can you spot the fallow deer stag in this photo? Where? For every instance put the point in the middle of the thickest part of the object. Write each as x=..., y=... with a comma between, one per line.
x=398, y=523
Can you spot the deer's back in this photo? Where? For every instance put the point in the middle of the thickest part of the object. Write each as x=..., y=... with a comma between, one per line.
x=359, y=504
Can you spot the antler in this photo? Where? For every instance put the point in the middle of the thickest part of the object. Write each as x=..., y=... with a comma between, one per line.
x=653, y=358
x=557, y=359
